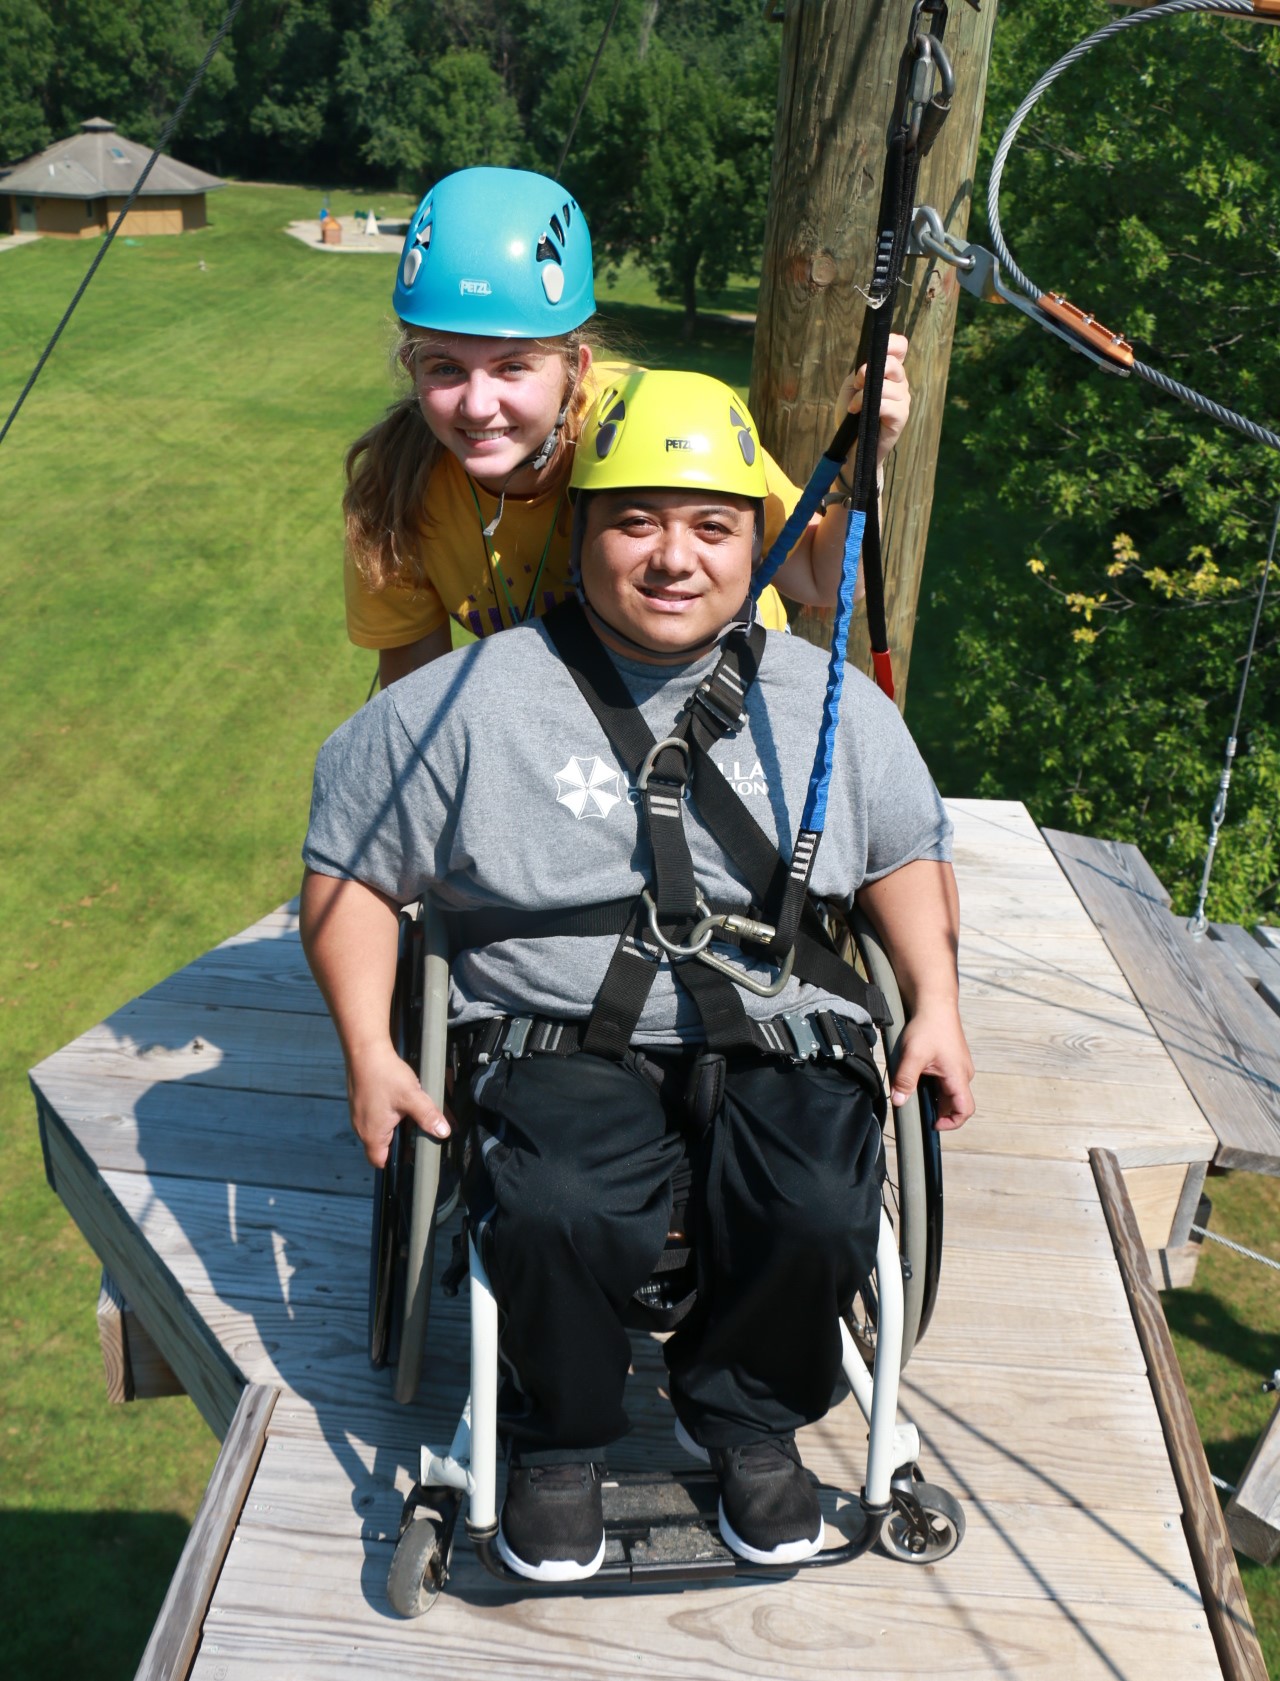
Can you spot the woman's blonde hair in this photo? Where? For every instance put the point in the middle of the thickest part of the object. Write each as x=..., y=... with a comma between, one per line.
x=389, y=467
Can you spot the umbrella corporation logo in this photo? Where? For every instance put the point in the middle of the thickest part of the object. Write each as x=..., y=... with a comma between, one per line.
x=591, y=788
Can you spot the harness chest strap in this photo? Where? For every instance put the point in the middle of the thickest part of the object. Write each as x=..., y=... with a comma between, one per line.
x=715, y=709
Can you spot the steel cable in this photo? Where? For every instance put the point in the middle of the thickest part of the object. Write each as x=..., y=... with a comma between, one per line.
x=115, y=226
x=1170, y=8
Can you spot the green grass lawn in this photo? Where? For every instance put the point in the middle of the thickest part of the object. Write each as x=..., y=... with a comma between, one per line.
x=175, y=653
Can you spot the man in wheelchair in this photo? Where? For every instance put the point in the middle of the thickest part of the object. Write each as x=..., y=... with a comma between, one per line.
x=604, y=804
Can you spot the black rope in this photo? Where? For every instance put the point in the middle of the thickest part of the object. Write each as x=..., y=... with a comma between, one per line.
x=111, y=233
x=591, y=76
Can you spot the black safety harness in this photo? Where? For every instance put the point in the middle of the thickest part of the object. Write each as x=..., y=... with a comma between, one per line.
x=671, y=916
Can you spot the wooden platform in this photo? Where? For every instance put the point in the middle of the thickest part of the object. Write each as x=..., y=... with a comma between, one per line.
x=199, y=1138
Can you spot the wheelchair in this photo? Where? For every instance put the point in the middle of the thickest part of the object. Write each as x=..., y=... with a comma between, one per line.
x=659, y=1528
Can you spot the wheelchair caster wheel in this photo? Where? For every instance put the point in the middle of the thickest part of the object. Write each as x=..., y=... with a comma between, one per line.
x=925, y=1525
x=419, y=1567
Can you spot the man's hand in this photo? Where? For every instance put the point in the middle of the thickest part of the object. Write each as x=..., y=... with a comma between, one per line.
x=895, y=399
x=383, y=1090
x=933, y=1043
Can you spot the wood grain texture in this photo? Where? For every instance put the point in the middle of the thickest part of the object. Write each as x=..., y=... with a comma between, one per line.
x=243, y=1050
x=1155, y=1194
x=1225, y=1604
x=1013, y=1550
x=111, y=1340
x=836, y=90
x=1222, y=1037
x=205, y=1370
x=247, y=1243
x=177, y=1630
x=136, y=1123
x=1253, y=1512
x=284, y=1609
x=1255, y=959
x=135, y=1368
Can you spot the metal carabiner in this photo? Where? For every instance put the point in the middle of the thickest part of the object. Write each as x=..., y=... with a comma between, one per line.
x=740, y=977
x=920, y=97
x=702, y=932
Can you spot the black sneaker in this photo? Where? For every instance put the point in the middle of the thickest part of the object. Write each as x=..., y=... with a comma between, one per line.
x=769, y=1510
x=552, y=1526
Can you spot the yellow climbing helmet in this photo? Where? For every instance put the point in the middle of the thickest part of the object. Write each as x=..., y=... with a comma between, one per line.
x=669, y=431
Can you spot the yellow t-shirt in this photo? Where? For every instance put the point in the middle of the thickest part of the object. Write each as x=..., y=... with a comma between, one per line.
x=530, y=569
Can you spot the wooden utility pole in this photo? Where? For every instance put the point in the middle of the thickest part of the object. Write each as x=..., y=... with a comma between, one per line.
x=840, y=61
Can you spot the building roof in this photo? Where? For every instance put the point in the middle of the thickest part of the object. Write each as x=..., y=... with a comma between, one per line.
x=98, y=162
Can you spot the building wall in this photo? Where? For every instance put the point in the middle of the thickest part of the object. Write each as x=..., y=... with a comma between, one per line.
x=159, y=215
x=67, y=218
x=76, y=218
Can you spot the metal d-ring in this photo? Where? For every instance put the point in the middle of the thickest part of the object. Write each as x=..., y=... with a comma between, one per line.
x=650, y=758
x=704, y=929
x=741, y=978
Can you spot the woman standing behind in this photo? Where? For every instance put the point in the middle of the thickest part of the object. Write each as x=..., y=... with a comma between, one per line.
x=456, y=503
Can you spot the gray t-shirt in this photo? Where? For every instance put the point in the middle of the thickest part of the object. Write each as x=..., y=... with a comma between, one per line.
x=484, y=780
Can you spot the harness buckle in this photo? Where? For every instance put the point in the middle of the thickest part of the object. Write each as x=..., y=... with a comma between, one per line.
x=721, y=707
x=516, y=1037
x=803, y=1037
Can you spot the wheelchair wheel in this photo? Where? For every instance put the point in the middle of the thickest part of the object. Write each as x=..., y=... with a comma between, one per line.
x=914, y=1186
x=924, y=1526
x=429, y=1013
x=393, y=1184
x=419, y=1566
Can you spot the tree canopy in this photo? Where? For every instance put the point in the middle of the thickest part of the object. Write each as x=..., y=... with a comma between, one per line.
x=1098, y=663
x=671, y=157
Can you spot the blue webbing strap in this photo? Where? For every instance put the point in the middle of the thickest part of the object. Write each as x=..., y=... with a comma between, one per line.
x=821, y=480
x=815, y=808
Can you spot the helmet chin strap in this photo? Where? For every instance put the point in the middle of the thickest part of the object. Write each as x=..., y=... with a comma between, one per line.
x=538, y=460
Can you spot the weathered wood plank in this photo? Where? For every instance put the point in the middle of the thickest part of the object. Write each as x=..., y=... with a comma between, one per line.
x=1062, y=1120
x=1225, y=1604
x=1019, y=1440
x=1259, y=965
x=1017, y=1551
x=1054, y=1041
x=205, y=1370
x=285, y=1608
x=177, y=1631
x=1156, y=1195
x=141, y=1125
x=268, y=974
x=1021, y=990
x=246, y=1050
x=1253, y=1512
x=250, y=1243
x=1218, y=1032
x=111, y=1340
x=135, y=1368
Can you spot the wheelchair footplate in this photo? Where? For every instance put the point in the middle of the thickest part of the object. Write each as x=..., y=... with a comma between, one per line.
x=660, y=1527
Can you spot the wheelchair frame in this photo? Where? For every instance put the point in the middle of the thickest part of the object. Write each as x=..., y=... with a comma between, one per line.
x=910, y=1518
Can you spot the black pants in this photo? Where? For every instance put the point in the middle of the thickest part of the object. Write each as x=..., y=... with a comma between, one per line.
x=568, y=1178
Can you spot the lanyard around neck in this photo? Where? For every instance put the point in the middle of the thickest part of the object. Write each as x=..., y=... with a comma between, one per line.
x=496, y=570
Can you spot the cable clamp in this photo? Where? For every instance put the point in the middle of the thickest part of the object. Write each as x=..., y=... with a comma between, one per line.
x=983, y=280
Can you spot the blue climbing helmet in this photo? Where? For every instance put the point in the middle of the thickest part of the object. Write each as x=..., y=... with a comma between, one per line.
x=501, y=253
